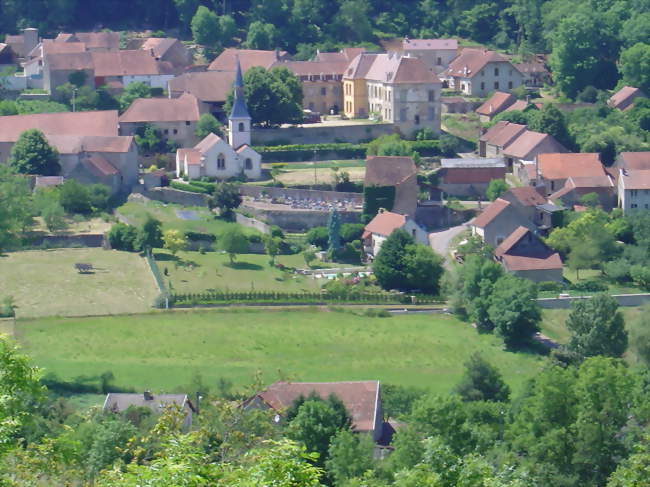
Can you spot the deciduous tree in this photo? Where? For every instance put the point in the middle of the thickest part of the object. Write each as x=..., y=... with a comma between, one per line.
x=482, y=381
x=233, y=242
x=174, y=240
x=32, y=154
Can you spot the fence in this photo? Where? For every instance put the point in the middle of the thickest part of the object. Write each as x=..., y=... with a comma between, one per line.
x=155, y=271
x=621, y=299
x=217, y=297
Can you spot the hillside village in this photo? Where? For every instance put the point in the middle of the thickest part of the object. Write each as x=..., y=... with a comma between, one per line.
x=336, y=267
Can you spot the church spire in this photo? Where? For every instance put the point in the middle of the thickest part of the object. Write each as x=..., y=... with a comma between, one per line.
x=239, y=109
x=239, y=122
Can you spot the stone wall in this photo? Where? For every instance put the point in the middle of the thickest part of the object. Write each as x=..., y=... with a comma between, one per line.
x=322, y=133
x=621, y=299
x=301, y=194
x=252, y=223
x=300, y=220
x=171, y=195
x=70, y=241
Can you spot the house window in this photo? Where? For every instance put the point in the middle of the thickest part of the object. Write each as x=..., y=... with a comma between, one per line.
x=413, y=232
x=633, y=192
x=552, y=185
x=431, y=113
x=482, y=73
x=166, y=131
x=633, y=205
x=248, y=163
x=432, y=95
x=187, y=122
x=175, y=131
x=241, y=126
x=323, y=91
x=221, y=162
x=439, y=61
x=496, y=85
x=482, y=85
x=511, y=72
x=417, y=120
x=496, y=71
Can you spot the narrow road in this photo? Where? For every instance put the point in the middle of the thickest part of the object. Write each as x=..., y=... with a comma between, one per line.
x=440, y=241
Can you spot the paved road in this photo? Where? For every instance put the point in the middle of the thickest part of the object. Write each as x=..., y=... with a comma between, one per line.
x=440, y=241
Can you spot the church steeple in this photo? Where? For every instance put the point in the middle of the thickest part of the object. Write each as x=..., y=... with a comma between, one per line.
x=239, y=122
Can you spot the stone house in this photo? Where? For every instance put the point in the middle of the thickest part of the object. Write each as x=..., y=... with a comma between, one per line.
x=57, y=68
x=383, y=225
x=528, y=145
x=174, y=118
x=77, y=124
x=523, y=254
x=35, y=59
x=169, y=50
x=469, y=177
x=355, y=89
x=436, y=54
x=498, y=137
x=498, y=221
x=118, y=69
x=633, y=160
x=211, y=89
x=494, y=105
x=397, y=171
x=535, y=74
x=247, y=58
x=402, y=91
x=362, y=401
x=634, y=190
x=624, y=98
x=532, y=204
x=23, y=43
x=554, y=169
x=576, y=187
x=120, y=402
x=478, y=72
x=94, y=41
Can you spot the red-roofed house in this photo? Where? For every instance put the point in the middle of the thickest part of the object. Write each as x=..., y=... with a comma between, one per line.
x=477, y=72
x=175, y=118
x=554, y=169
x=94, y=41
x=497, y=221
x=399, y=172
x=634, y=189
x=385, y=223
x=211, y=88
x=532, y=204
x=494, y=105
x=355, y=89
x=499, y=136
x=435, y=53
x=633, y=160
x=469, y=177
x=248, y=58
x=528, y=145
x=576, y=187
x=168, y=49
x=362, y=401
x=525, y=255
x=624, y=98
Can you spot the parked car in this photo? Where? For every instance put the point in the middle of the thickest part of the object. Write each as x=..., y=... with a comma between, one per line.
x=310, y=117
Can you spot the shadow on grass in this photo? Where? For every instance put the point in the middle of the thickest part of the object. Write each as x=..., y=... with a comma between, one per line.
x=165, y=257
x=244, y=266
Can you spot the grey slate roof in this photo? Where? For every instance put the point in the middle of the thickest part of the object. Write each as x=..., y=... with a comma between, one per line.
x=239, y=109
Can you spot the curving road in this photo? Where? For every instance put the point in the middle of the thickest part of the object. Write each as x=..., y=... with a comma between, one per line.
x=440, y=241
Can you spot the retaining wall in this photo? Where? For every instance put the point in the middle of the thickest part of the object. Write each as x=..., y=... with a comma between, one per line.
x=252, y=223
x=321, y=134
x=621, y=299
x=301, y=220
x=302, y=194
x=64, y=241
x=171, y=195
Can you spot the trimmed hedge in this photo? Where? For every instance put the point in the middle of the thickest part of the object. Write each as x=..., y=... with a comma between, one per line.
x=190, y=187
x=198, y=237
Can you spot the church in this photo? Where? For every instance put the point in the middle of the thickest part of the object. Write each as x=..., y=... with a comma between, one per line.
x=213, y=157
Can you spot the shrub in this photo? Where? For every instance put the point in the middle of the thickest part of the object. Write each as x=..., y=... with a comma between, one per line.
x=199, y=236
x=318, y=237
x=191, y=187
x=123, y=237
x=7, y=307
x=552, y=286
x=254, y=238
x=617, y=270
x=74, y=197
x=590, y=285
x=276, y=231
x=351, y=231
x=641, y=276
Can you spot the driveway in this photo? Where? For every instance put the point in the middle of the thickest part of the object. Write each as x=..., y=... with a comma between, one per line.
x=440, y=241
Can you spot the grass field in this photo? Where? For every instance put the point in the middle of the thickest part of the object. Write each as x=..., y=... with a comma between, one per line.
x=203, y=221
x=289, y=176
x=463, y=125
x=163, y=351
x=45, y=282
x=319, y=164
x=213, y=270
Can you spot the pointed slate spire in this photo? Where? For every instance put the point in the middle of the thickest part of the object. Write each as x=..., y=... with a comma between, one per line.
x=239, y=109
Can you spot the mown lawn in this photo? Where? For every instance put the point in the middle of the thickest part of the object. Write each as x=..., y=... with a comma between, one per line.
x=163, y=351
x=45, y=282
x=196, y=272
x=202, y=219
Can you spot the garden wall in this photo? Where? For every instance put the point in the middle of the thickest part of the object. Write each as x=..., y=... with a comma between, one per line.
x=252, y=223
x=301, y=220
x=302, y=194
x=321, y=134
x=69, y=241
x=621, y=299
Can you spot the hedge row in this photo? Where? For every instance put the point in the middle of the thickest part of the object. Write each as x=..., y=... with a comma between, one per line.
x=208, y=298
x=190, y=187
x=306, y=152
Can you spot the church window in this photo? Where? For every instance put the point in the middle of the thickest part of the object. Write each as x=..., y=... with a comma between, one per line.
x=241, y=126
x=221, y=162
x=248, y=163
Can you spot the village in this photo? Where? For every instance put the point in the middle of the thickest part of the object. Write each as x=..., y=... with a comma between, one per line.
x=259, y=230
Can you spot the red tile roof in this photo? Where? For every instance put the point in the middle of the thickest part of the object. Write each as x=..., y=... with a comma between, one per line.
x=490, y=213
x=193, y=156
x=430, y=44
x=103, y=123
x=126, y=63
x=361, y=399
x=159, y=45
x=394, y=68
x=527, y=141
x=248, y=58
x=521, y=105
x=93, y=40
x=566, y=165
x=496, y=103
x=527, y=259
x=636, y=179
x=385, y=223
x=635, y=160
x=209, y=86
x=472, y=175
x=360, y=65
x=346, y=54
x=470, y=62
x=68, y=61
x=623, y=98
x=184, y=108
x=527, y=196
x=388, y=170
x=74, y=144
x=315, y=68
x=99, y=166
x=502, y=133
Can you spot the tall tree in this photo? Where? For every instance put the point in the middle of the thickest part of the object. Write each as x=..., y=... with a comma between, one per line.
x=597, y=327
x=349, y=455
x=550, y=120
x=206, y=27
x=150, y=235
x=635, y=66
x=32, y=154
x=207, y=125
x=334, y=232
x=482, y=381
x=233, y=242
x=16, y=208
x=261, y=36
x=226, y=197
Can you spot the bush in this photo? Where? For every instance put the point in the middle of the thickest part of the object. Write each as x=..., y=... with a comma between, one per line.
x=254, y=238
x=191, y=187
x=7, y=307
x=318, y=237
x=351, y=231
x=552, y=286
x=617, y=270
x=199, y=236
x=449, y=145
x=307, y=152
x=74, y=197
x=641, y=276
x=590, y=285
x=123, y=237
x=276, y=231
